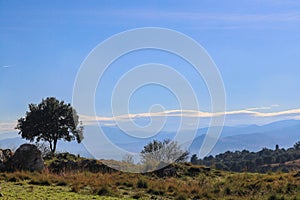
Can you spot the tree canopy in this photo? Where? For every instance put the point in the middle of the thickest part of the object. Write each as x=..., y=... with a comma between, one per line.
x=166, y=151
x=262, y=161
x=50, y=121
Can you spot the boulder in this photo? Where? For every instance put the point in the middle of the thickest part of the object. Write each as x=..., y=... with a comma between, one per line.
x=5, y=154
x=170, y=172
x=167, y=171
x=27, y=157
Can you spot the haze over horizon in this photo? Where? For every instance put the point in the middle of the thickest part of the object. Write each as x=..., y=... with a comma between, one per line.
x=255, y=45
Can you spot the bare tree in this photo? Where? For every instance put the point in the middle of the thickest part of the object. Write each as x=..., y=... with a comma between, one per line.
x=167, y=151
x=128, y=158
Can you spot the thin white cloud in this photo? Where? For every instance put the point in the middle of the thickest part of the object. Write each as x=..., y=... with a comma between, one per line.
x=222, y=20
x=6, y=66
x=7, y=126
x=180, y=15
x=297, y=117
x=184, y=16
x=87, y=120
x=250, y=112
x=252, y=115
x=280, y=113
x=260, y=108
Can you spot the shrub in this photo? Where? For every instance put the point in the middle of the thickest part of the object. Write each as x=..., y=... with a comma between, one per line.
x=227, y=191
x=75, y=188
x=290, y=188
x=272, y=197
x=42, y=182
x=193, y=171
x=156, y=192
x=61, y=183
x=137, y=196
x=180, y=197
x=12, y=179
x=103, y=191
x=142, y=184
x=128, y=184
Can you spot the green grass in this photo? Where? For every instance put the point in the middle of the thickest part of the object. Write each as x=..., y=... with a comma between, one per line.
x=24, y=190
x=192, y=182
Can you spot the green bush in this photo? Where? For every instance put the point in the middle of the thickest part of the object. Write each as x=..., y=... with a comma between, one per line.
x=180, y=197
x=142, y=184
x=103, y=191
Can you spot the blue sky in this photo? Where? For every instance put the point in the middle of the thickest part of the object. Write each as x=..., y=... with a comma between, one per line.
x=254, y=43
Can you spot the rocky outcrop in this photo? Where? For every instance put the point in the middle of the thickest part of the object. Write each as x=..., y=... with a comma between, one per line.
x=170, y=172
x=94, y=166
x=27, y=157
x=5, y=155
x=167, y=171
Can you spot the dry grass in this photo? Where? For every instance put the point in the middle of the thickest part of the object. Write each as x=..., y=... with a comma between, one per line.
x=203, y=185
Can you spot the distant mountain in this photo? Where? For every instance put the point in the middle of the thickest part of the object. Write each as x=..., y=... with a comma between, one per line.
x=251, y=137
x=254, y=138
x=248, y=129
x=11, y=143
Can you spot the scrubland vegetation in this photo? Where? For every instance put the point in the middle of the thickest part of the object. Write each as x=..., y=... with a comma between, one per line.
x=279, y=159
x=66, y=176
x=189, y=182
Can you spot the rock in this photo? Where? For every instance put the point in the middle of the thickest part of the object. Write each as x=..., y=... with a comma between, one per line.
x=1, y=156
x=167, y=171
x=95, y=166
x=27, y=157
x=5, y=154
x=2, y=167
x=65, y=165
x=170, y=172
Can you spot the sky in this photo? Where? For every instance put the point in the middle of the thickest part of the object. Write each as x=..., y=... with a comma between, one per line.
x=255, y=45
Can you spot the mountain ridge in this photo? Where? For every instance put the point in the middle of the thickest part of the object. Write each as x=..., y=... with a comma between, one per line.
x=251, y=137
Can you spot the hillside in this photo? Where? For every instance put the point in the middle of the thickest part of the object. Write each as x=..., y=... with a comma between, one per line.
x=189, y=182
x=68, y=176
x=265, y=160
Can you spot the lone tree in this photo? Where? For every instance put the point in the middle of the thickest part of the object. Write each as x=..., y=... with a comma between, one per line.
x=167, y=151
x=50, y=121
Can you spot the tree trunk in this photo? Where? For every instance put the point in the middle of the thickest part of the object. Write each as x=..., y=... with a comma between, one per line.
x=54, y=145
x=51, y=147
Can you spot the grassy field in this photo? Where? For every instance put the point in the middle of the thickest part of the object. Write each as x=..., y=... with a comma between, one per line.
x=192, y=182
x=24, y=190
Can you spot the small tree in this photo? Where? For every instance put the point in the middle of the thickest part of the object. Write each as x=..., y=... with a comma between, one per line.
x=297, y=145
x=194, y=159
x=128, y=158
x=167, y=151
x=50, y=121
